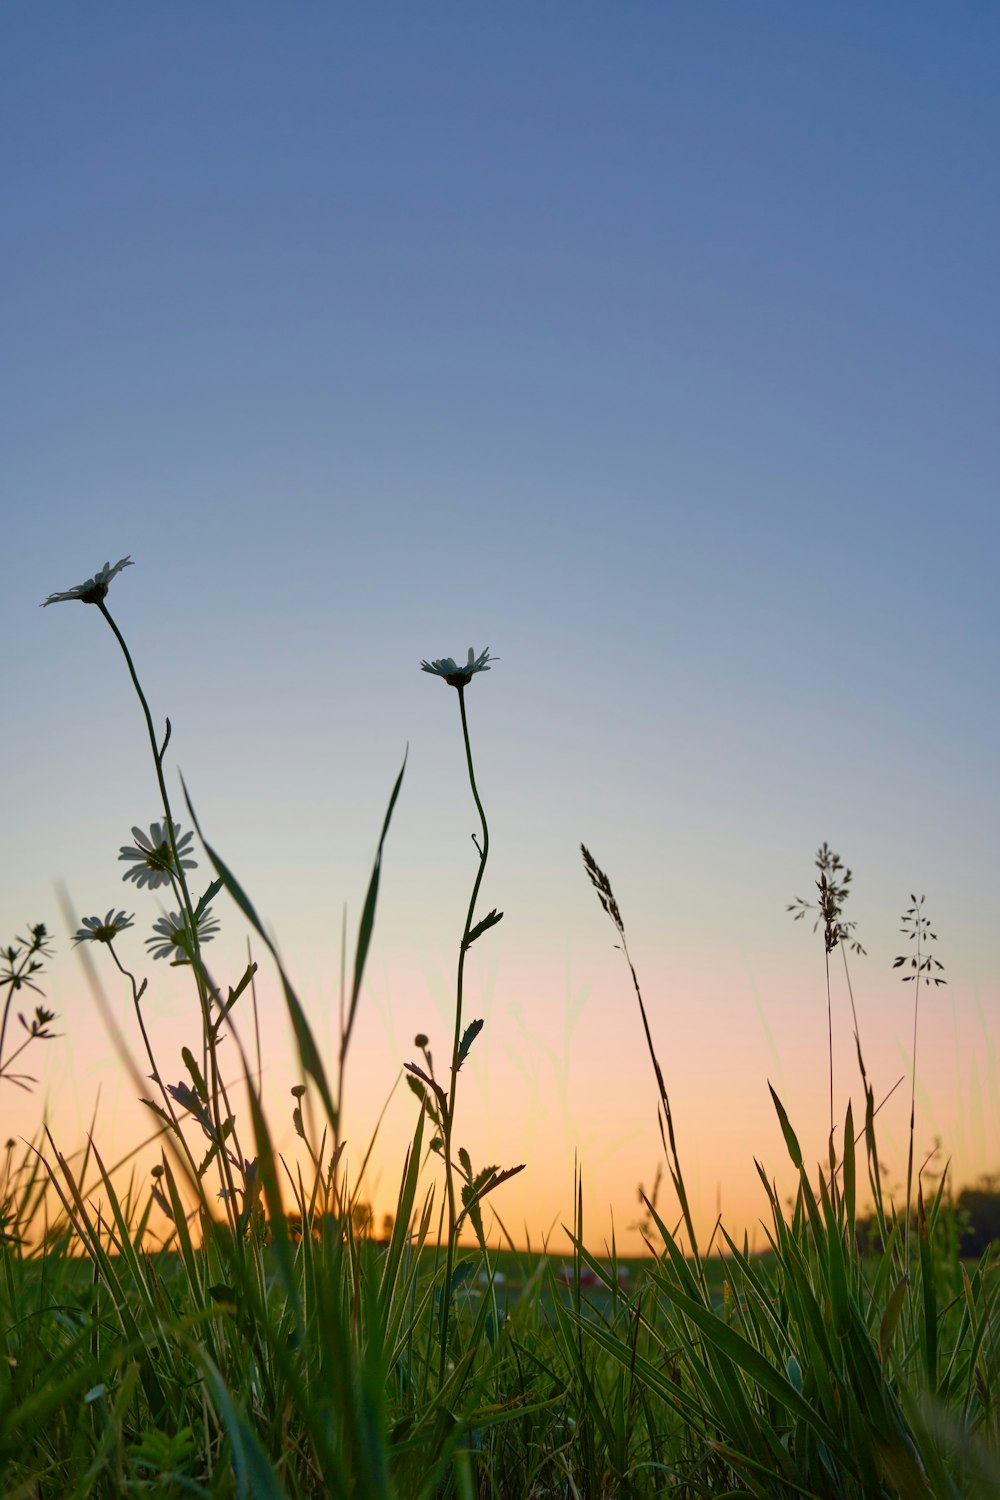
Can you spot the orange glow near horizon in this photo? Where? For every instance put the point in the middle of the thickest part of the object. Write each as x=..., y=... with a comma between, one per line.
x=578, y=1092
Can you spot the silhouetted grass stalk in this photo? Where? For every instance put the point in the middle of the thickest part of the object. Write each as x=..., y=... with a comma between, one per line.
x=924, y=969
x=602, y=885
x=833, y=888
x=448, y=1121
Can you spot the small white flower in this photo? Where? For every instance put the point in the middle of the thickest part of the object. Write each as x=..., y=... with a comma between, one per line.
x=95, y=589
x=453, y=674
x=172, y=935
x=153, y=862
x=96, y=930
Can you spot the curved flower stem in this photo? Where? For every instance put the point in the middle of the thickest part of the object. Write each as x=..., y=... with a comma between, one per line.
x=217, y=1091
x=178, y=870
x=178, y=880
x=157, y=756
x=449, y=1118
x=137, y=992
x=483, y=856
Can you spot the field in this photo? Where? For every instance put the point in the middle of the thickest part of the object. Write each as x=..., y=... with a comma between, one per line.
x=271, y=1346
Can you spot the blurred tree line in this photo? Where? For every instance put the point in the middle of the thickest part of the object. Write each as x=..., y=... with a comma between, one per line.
x=972, y=1218
x=978, y=1208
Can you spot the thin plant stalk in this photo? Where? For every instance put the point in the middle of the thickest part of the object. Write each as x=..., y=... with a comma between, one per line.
x=178, y=878
x=448, y=1120
x=921, y=964
x=829, y=1036
x=23, y=965
x=913, y=1099
x=833, y=886
x=137, y=994
x=158, y=753
x=602, y=885
x=210, y=1066
x=854, y=1012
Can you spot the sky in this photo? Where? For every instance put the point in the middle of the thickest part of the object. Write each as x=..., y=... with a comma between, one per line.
x=654, y=348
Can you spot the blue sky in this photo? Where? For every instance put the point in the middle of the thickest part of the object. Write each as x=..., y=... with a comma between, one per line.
x=654, y=347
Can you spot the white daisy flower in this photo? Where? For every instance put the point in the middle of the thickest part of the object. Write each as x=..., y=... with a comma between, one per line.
x=95, y=589
x=459, y=676
x=96, y=930
x=153, y=862
x=172, y=935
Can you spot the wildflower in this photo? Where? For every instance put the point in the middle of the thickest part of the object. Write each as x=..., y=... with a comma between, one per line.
x=19, y=961
x=38, y=939
x=172, y=937
x=39, y=1023
x=95, y=589
x=186, y=1097
x=153, y=858
x=454, y=675
x=93, y=930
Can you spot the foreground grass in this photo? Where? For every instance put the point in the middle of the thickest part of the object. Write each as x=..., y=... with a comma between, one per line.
x=806, y=1371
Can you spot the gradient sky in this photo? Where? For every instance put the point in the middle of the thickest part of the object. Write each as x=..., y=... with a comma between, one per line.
x=654, y=347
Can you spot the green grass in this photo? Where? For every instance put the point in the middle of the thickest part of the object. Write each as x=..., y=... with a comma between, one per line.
x=240, y=1356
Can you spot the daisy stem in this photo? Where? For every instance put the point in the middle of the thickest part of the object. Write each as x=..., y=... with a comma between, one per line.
x=218, y=1091
x=178, y=870
x=483, y=856
x=167, y=1101
x=157, y=757
x=449, y=1119
x=209, y=1061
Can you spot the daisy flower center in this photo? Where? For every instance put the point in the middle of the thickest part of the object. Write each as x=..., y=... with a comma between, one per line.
x=160, y=858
